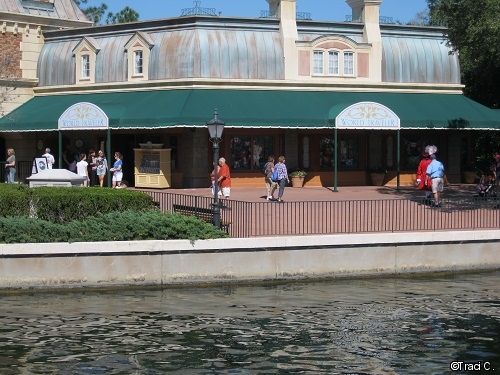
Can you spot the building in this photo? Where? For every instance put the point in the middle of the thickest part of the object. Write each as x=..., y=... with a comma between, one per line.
x=282, y=84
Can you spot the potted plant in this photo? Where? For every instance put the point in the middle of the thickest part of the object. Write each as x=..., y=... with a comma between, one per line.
x=470, y=174
x=297, y=176
x=377, y=175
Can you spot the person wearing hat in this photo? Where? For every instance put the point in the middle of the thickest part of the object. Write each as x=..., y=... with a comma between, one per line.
x=435, y=171
x=423, y=182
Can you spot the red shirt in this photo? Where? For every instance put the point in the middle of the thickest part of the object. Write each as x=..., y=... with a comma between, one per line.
x=226, y=177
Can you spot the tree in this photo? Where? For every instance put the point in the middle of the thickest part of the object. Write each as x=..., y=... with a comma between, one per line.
x=421, y=19
x=96, y=13
x=473, y=31
x=125, y=15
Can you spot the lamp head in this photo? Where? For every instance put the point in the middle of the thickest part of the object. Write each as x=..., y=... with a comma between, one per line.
x=215, y=126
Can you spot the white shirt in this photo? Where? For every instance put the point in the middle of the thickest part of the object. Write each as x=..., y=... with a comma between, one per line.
x=50, y=160
x=81, y=168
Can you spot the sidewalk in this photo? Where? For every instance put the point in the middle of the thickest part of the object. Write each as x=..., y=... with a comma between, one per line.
x=344, y=193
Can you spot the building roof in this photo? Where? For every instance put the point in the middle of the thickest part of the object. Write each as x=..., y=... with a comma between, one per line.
x=58, y=9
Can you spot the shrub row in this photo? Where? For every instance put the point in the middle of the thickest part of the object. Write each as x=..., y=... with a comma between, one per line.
x=64, y=205
x=128, y=225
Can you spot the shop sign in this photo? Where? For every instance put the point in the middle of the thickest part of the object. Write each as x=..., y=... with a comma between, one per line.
x=83, y=116
x=367, y=115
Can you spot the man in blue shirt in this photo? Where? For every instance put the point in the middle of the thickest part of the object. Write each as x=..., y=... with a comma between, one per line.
x=435, y=171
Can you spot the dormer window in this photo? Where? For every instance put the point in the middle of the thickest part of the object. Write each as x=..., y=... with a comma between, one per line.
x=85, y=66
x=138, y=50
x=138, y=69
x=333, y=57
x=85, y=58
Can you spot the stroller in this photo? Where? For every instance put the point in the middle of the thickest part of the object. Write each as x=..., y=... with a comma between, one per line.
x=488, y=190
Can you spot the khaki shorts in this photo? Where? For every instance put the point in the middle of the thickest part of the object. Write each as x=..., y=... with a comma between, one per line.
x=437, y=185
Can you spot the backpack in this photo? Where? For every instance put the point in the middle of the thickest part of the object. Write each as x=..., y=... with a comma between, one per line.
x=274, y=176
x=265, y=170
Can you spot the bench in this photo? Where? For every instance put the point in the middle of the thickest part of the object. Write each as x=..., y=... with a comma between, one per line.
x=205, y=214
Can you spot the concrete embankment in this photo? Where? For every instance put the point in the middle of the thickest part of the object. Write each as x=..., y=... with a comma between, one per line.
x=63, y=265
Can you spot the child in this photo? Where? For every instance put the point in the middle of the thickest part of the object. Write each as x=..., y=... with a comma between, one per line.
x=82, y=169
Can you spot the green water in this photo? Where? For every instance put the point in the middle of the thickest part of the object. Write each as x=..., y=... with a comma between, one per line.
x=367, y=326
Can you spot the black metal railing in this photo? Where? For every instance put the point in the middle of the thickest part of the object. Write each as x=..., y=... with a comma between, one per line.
x=298, y=15
x=381, y=19
x=253, y=219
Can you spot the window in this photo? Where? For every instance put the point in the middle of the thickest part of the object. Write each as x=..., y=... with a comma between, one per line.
x=85, y=66
x=335, y=63
x=250, y=153
x=138, y=62
x=138, y=52
x=412, y=148
x=348, y=63
x=348, y=153
x=318, y=62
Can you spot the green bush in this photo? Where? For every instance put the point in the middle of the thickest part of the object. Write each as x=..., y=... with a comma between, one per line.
x=128, y=225
x=63, y=205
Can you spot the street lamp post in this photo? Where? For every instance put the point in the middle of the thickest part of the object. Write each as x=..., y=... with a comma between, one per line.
x=215, y=129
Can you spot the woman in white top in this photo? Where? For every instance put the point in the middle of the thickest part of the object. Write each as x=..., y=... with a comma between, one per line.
x=82, y=169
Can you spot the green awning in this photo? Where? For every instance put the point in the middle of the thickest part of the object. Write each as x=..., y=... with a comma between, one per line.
x=251, y=108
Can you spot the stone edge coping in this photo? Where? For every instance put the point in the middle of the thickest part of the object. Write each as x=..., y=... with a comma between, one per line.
x=257, y=243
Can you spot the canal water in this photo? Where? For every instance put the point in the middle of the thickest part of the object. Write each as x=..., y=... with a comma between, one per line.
x=417, y=325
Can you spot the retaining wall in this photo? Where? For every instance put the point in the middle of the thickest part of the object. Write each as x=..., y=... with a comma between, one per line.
x=62, y=265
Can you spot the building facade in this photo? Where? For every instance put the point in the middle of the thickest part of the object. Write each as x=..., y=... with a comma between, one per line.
x=282, y=85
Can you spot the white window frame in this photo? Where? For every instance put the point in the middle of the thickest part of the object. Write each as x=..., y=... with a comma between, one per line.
x=349, y=63
x=318, y=62
x=138, y=62
x=334, y=63
x=85, y=61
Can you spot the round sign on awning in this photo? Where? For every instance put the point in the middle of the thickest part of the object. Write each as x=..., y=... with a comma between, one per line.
x=367, y=115
x=83, y=116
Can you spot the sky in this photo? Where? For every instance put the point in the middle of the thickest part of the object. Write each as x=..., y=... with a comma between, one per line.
x=320, y=10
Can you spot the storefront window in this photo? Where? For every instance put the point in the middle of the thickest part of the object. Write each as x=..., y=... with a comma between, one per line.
x=250, y=153
x=348, y=153
x=412, y=148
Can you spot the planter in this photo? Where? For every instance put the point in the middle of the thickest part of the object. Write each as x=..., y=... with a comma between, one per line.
x=297, y=181
x=469, y=177
x=377, y=178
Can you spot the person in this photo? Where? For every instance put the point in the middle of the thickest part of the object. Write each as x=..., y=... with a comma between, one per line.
x=485, y=185
x=101, y=167
x=423, y=182
x=70, y=159
x=496, y=169
x=82, y=169
x=224, y=178
x=92, y=167
x=123, y=185
x=435, y=171
x=10, y=165
x=117, y=170
x=212, y=177
x=50, y=159
x=270, y=184
x=282, y=177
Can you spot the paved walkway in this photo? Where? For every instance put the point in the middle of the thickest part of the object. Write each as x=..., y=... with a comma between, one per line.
x=344, y=193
